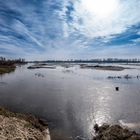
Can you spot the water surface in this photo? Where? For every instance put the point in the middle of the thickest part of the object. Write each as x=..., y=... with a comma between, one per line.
x=71, y=99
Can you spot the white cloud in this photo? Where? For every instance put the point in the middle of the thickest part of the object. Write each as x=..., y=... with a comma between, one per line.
x=20, y=28
x=45, y=31
x=138, y=32
x=126, y=14
x=136, y=40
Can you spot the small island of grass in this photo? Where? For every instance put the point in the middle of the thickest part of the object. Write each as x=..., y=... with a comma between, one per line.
x=7, y=65
x=6, y=69
x=102, y=67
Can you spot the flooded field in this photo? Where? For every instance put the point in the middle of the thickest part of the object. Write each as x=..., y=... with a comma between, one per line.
x=73, y=99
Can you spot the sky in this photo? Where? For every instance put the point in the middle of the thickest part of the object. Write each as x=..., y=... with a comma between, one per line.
x=69, y=29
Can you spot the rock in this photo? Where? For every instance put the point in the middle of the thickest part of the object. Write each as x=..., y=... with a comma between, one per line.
x=115, y=132
x=96, y=128
x=117, y=88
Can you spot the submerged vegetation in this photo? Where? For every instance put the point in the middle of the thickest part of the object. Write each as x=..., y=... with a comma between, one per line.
x=38, y=66
x=124, y=77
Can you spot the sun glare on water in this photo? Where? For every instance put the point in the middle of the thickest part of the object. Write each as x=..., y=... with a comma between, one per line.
x=100, y=8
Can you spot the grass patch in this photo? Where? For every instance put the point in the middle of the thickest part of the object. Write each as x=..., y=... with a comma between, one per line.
x=6, y=69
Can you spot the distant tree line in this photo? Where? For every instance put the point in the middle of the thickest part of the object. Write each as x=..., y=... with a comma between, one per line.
x=4, y=61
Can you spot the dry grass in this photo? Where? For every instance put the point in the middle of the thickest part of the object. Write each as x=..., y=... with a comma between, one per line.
x=6, y=69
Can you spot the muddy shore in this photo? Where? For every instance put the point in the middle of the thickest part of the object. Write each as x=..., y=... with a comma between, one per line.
x=16, y=126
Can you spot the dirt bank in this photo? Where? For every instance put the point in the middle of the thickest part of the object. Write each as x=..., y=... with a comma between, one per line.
x=16, y=126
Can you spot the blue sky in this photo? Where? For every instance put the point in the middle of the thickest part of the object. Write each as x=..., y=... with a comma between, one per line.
x=66, y=29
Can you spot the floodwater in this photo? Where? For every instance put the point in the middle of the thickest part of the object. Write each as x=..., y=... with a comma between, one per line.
x=72, y=99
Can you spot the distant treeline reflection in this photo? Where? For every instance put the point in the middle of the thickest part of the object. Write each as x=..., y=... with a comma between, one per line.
x=108, y=60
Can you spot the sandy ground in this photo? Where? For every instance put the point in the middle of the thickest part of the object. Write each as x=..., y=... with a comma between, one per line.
x=16, y=128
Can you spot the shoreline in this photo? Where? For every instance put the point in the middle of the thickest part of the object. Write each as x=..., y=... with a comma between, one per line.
x=19, y=126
